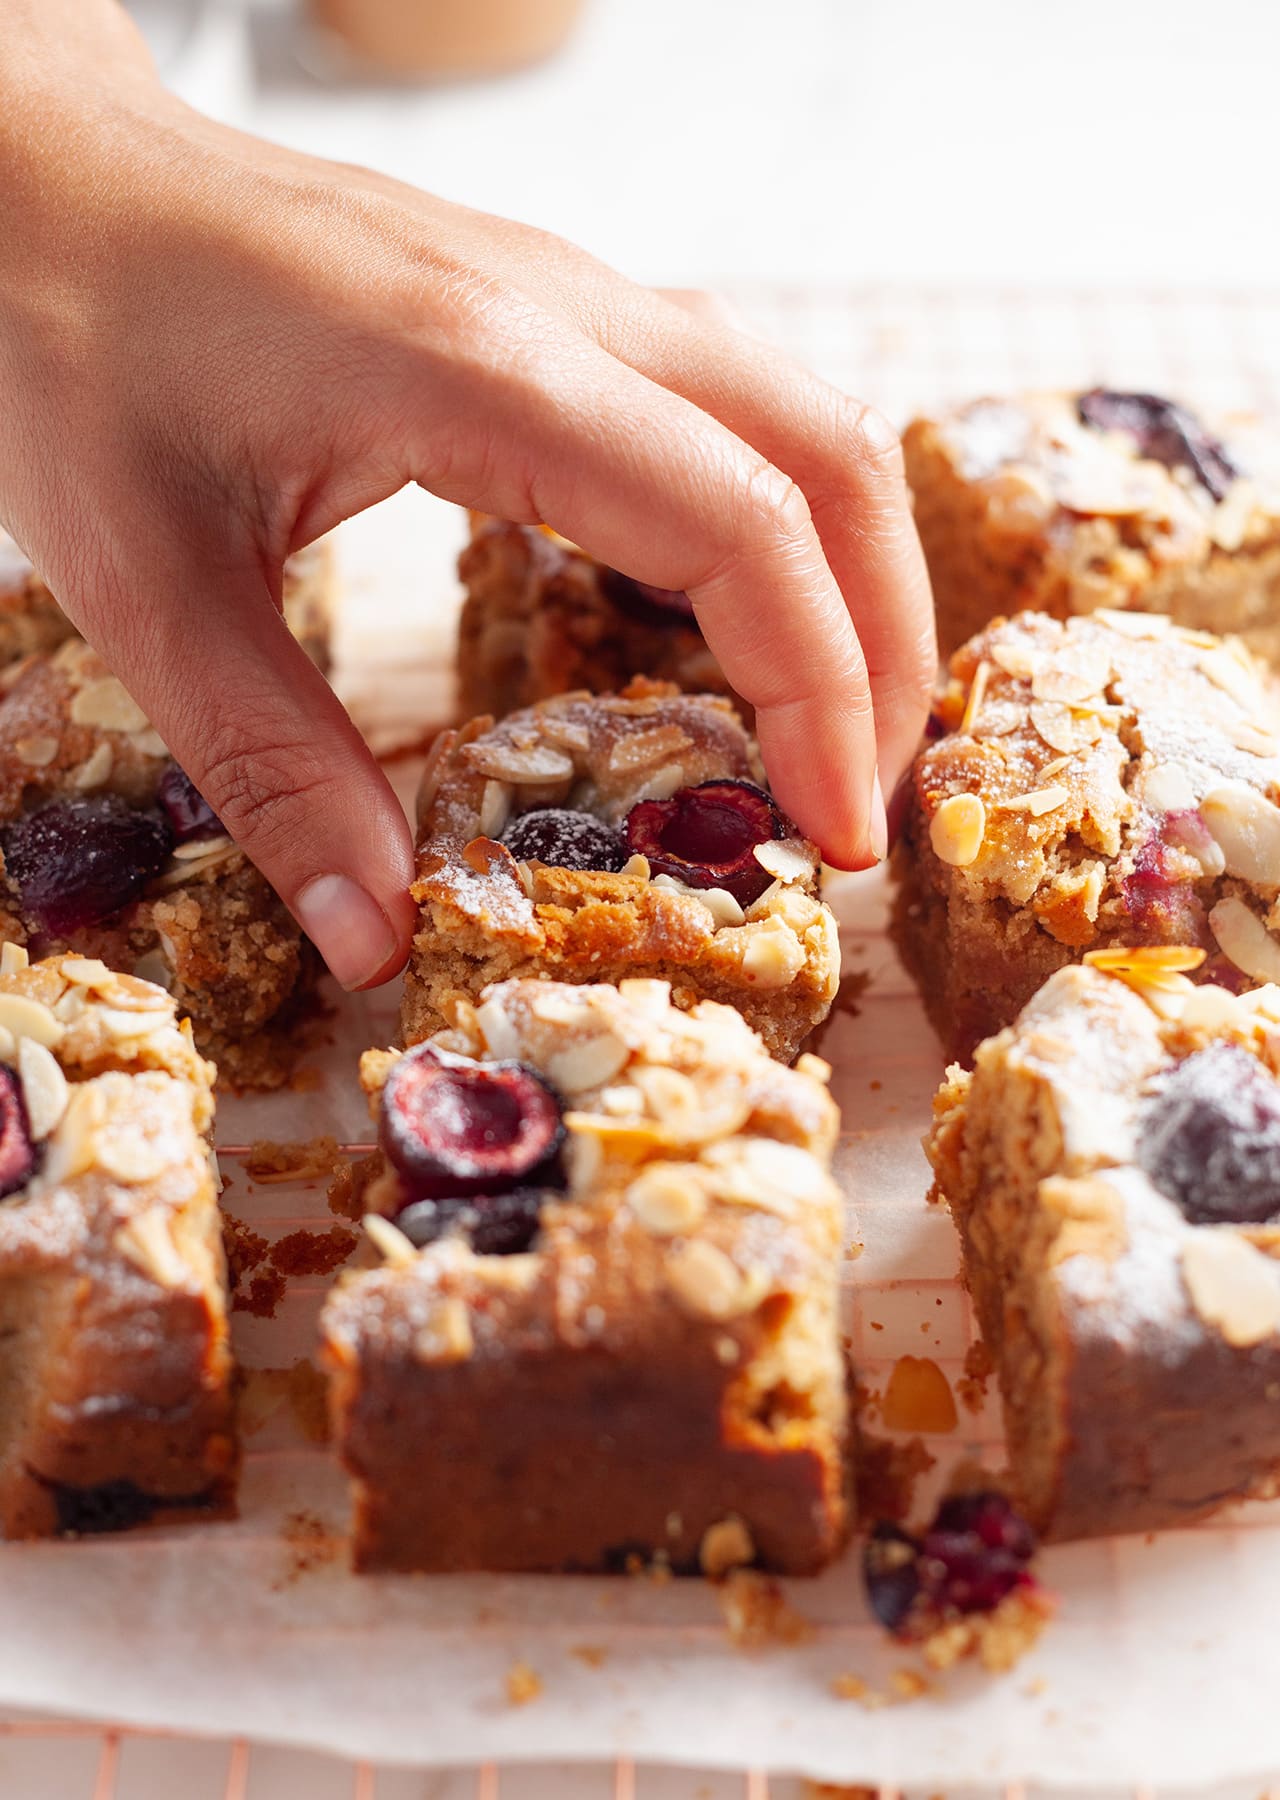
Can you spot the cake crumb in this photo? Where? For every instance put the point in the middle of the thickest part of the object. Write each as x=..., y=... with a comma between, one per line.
x=830, y=1790
x=757, y=1612
x=591, y=1656
x=998, y=1639
x=310, y=1545
x=905, y=1685
x=887, y=1477
x=306, y=1159
x=918, y=1397
x=978, y=1370
x=523, y=1685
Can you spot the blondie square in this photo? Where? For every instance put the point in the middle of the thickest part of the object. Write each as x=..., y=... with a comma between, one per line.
x=1113, y=1164
x=588, y=839
x=115, y=1370
x=1105, y=780
x=605, y=1328
x=1070, y=502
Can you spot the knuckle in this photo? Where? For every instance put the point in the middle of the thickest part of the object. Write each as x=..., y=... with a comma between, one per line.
x=259, y=788
x=774, y=504
x=871, y=440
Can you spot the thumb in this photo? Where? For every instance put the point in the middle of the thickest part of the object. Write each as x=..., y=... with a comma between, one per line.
x=272, y=750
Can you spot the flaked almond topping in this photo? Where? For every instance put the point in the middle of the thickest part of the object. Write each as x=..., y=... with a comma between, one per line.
x=774, y=955
x=977, y=693
x=1227, y=674
x=13, y=958
x=1246, y=828
x=447, y=1335
x=566, y=734
x=147, y=1242
x=1253, y=740
x=1166, y=787
x=201, y=848
x=636, y=866
x=37, y=752
x=815, y=1067
x=1039, y=802
x=957, y=829
x=27, y=1018
x=1244, y=940
x=590, y=1063
x=719, y=902
x=495, y=808
x=1165, y=959
x=1232, y=1287
x=500, y=1035
x=106, y=704
x=1062, y=728
x=642, y=749
x=149, y=743
x=1213, y=1010
x=646, y=994
x=1081, y=674
x=389, y=1241
x=725, y=1545
x=661, y=784
x=1014, y=660
x=709, y=1285
x=85, y=971
x=784, y=859
x=1133, y=624
x=501, y=761
x=44, y=1087
x=96, y=768
x=668, y=1199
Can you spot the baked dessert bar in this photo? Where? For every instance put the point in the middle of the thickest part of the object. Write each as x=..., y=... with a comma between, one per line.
x=590, y=839
x=605, y=1328
x=541, y=617
x=1113, y=1164
x=115, y=1370
x=1069, y=502
x=110, y=851
x=31, y=619
x=1101, y=780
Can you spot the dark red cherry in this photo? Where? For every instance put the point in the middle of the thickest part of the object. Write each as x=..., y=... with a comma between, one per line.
x=566, y=840
x=188, y=812
x=17, y=1152
x=455, y=1128
x=493, y=1224
x=652, y=605
x=1210, y=1138
x=78, y=862
x=706, y=836
x=1164, y=431
x=974, y=1554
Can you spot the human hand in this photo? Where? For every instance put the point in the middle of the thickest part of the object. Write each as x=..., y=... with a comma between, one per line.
x=213, y=350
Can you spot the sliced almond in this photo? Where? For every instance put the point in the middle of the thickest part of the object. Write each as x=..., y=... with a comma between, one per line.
x=44, y=1087
x=708, y=1284
x=500, y=1035
x=1244, y=940
x=27, y=1018
x=1039, y=802
x=785, y=859
x=95, y=769
x=642, y=749
x=149, y=743
x=147, y=1242
x=977, y=693
x=726, y=1545
x=495, y=808
x=1166, y=787
x=502, y=761
x=1227, y=673
x=1133, y=624
x=36, y=752
x=13, y=958
x=774, y=955
x=957, y=829
x=1080, y=674
x=85, y=971
x=1061, y=728
x=200, y=848
x=668, y=1198
x=1015, y=660
x=590, y=1063
x=389, y=1241
x=105, y=703
x=1165, y=958
x=1232, y=1287
x=1246, y=828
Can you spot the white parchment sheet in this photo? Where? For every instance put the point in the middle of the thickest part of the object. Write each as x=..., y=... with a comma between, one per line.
x=1162, y=1668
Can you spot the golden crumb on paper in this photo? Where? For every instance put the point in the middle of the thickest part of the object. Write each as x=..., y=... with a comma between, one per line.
x=757, y=1612
x=997, y=1639
x=829, y=1790
x=523, y=1685
x=918, y=1397
x=887, y=1476
x=904, y=1686
x=308, y=1159
x=591, y=1656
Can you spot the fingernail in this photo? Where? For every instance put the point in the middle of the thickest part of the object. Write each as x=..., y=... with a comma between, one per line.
x=878, y=823
x=900, y=804
x=348, y=928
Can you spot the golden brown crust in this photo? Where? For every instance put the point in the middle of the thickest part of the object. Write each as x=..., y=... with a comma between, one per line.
x=1138, y=1352
x=1110, y=779
x=485, y=918
x=115, y=1363
x=678, y=1304
x=537, y=622
x=1020, y=506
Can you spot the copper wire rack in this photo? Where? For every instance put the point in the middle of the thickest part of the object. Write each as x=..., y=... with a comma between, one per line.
x=901, y=348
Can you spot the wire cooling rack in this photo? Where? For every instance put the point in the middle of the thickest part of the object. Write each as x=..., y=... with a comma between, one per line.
x=902, y=349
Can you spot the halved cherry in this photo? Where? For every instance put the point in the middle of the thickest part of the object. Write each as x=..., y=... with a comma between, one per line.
x=493, y=1224
x=976, y=1552
x=566, y=840
x=17, y=1152
x=1164, y=431
x=652, y=605
x=706, y=836
x=78, y=861
x=454, y=1127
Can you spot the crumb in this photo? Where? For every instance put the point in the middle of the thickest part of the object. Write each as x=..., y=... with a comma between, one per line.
x=887, y=1475
x=757, y=1611
x=978, y=1369
x=849, y=1687
x=1036, y=1687
x=523, y=1686
x=311, y=1545
x=905, y=1685
x=591, y=1656
x=829, y=1790
x=244, y=1249
x=875, y=1086
x=998, y=1639
x=262, y=1296
x=908, y=1684
x=306, y=1160
x=918, y=1397
x=347, y=1189
x=877, y=1325
x=313, y=1252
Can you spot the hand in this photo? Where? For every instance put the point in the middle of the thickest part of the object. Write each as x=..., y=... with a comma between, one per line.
x=213, y=350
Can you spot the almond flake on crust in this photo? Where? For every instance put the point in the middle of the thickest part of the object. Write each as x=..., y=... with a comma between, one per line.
x=1232, y=1287
x=1118, y=959
x=1037, y=803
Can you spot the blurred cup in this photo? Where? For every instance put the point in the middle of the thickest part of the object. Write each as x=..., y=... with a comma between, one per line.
x=444, y=37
